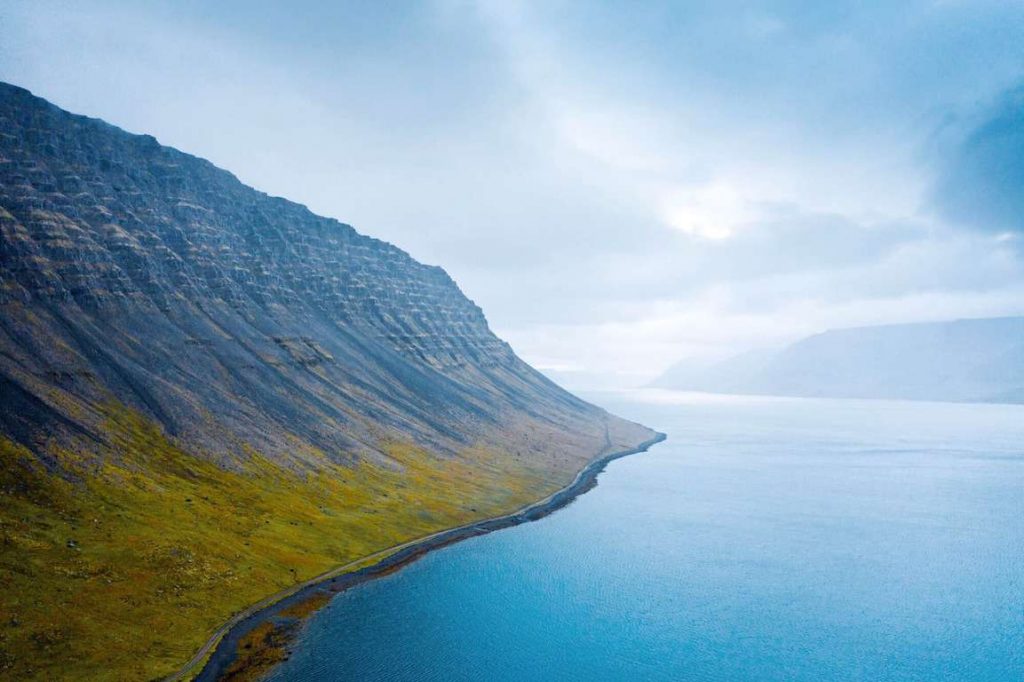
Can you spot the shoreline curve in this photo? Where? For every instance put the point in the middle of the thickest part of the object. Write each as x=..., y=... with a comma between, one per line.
x=218, y=653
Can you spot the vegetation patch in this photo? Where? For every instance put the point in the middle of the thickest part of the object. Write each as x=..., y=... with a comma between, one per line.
x=307, y=606
x=261, y=650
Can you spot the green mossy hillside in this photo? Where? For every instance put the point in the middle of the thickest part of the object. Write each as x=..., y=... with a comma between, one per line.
x=120, y=571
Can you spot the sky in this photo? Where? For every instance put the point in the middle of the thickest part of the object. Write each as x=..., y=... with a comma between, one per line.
x=620, y=185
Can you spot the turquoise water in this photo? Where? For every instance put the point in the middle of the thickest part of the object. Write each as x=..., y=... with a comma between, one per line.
x=767, y=539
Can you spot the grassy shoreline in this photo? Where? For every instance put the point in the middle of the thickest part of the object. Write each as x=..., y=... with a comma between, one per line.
x=257, y=639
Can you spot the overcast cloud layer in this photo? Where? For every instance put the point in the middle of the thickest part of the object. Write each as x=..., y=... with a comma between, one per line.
x=618, y=187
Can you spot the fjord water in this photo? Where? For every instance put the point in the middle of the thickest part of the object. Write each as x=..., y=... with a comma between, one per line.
x=767, y=539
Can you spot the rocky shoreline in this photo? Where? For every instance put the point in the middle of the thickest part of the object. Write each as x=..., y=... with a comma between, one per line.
x=226, y=642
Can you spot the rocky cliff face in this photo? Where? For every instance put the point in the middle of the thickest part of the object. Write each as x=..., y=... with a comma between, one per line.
x=133, y=273
x=208, y=394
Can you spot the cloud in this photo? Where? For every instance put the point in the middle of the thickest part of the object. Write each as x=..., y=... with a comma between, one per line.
x=618, y=185
x=982, y=184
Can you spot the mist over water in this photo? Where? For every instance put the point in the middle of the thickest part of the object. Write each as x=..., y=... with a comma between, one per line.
x=769, y=539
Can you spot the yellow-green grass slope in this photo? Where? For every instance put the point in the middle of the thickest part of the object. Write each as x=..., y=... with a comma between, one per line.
x=122, y=570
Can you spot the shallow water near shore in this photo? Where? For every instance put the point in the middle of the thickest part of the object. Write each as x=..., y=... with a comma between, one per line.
x=768, y=539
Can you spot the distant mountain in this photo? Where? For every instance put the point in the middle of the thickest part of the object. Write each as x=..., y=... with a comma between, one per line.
x=980, y=360
x=208, y=393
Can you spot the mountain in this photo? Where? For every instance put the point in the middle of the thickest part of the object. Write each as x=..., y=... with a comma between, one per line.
x=976, y=360
x=727, y=376
x=208, y=393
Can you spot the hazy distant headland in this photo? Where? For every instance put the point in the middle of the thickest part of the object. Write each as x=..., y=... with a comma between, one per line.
x=976, y=360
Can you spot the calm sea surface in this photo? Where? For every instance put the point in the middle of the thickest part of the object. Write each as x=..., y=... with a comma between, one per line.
x=767, y=539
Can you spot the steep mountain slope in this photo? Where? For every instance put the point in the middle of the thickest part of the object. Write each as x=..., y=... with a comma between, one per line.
x=980, y=360
x=171, y=340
